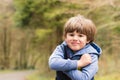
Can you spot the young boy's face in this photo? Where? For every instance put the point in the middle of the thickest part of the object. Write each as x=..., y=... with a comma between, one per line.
x=76, y=41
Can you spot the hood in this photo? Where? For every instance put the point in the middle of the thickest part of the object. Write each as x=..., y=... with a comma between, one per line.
x=90, y=48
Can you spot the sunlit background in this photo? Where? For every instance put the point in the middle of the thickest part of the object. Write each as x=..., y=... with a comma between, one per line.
x=31, y=29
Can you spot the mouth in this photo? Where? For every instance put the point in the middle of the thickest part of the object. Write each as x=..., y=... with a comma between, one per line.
x=75, y=43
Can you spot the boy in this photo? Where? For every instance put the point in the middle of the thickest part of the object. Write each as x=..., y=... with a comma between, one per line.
x=77, y=57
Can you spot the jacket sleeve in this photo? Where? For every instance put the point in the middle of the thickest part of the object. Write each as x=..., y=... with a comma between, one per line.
x=58, y=63
x=87, y=72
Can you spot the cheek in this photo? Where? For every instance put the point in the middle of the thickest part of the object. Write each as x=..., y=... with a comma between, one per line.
x=67, y=40
x=83, y=42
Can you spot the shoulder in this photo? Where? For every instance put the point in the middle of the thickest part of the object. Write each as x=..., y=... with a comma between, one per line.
x=96, y=47
x=61, y=46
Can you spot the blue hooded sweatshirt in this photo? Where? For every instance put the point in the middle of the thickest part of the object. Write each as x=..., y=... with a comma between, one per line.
x=69, y=66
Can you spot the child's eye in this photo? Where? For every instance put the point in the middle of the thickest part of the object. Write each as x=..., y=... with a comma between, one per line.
x=80, y=35
x=71, y=34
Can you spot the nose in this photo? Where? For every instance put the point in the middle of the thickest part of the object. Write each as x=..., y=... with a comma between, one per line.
x=75, y=38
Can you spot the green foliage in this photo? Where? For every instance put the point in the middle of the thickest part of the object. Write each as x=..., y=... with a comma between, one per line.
x=42, y=34
x=117, y=29
x=23, y=13
x=30, y=12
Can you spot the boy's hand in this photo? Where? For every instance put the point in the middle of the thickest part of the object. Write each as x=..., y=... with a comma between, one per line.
x=84, y=60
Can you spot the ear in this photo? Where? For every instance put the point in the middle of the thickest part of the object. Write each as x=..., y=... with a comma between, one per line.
x=88, y=41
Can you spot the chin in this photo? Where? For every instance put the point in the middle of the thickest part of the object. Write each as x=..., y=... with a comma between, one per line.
x=75, y=49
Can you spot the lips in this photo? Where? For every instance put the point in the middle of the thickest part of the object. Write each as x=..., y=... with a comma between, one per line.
x=75, y=43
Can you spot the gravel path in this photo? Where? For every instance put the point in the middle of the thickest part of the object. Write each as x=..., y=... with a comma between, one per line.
x=19, y=75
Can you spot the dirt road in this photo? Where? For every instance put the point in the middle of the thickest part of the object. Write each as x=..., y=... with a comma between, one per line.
x=19, y=75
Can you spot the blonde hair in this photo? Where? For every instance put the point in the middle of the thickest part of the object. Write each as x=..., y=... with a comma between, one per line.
x=82, y=25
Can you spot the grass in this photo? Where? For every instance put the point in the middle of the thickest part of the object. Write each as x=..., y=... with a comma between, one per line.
x=112, y=76
x=41, y=76
x=37, y=77
x=6, y=71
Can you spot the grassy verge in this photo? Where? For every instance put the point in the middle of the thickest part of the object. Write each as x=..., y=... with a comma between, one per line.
x=113, y=76
x=38, y=77
x=41, y=76
x=6, y=71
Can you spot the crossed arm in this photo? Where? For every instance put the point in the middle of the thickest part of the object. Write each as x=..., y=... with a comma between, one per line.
x=88, y=63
